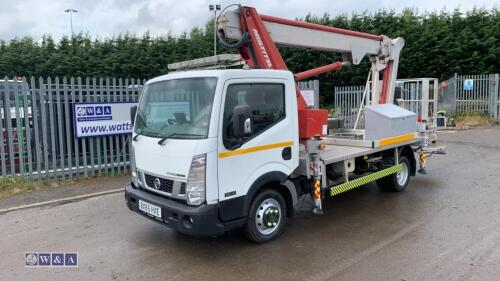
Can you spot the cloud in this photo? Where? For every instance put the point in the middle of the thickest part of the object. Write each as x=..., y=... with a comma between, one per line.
x=105, y=18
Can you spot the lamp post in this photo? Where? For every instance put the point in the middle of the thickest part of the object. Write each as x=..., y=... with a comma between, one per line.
x=215, y=8
x=71, y=11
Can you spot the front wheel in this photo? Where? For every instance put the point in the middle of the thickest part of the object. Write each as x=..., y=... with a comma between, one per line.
x=397, y=182
x=267, y=217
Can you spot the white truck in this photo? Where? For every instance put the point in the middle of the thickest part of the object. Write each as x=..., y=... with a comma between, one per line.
x=215, y=150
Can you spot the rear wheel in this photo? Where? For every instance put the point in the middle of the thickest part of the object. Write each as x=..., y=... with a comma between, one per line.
x=267, y=217
x=397, y=182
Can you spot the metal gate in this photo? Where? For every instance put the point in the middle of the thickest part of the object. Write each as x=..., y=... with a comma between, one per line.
x=471, y=94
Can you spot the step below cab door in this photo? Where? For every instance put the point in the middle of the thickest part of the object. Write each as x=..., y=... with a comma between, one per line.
x=266, y=141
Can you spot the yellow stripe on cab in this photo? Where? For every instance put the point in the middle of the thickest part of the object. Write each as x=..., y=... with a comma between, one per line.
x=254, y=149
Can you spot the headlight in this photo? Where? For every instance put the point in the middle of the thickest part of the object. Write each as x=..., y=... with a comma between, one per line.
x=195, y=187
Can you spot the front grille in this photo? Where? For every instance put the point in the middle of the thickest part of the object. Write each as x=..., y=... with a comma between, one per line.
x=165, y=184
x=183, y=188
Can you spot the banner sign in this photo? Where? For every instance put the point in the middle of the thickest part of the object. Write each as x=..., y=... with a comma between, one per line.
x=102, y=119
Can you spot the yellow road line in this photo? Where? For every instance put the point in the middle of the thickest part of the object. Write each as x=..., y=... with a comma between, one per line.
x=255, y=149
x=398, y=139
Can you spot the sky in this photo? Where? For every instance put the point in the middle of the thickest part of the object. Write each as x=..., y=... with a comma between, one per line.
x=105, y=18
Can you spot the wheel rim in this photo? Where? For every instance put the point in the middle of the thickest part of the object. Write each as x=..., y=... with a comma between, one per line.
x=268, y=216
x=402, y=175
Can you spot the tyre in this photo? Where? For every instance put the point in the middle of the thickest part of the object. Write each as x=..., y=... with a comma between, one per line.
x=397, y=182
x=267, y=217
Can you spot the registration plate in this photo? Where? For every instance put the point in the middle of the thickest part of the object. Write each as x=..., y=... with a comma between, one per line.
x=150, y=209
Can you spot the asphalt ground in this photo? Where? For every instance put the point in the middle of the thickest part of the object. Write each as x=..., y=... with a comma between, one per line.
x=445, y=226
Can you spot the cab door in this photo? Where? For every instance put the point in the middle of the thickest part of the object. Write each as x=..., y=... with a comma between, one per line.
x=272, y=144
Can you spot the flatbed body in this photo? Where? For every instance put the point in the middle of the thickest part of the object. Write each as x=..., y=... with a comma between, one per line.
x=345, y=149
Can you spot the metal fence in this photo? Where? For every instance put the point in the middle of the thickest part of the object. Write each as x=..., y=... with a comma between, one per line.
x=418, y=95
x=479, y=96
x=37, y=129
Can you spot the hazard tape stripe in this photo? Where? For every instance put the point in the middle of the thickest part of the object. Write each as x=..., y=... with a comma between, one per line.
x=364, y=180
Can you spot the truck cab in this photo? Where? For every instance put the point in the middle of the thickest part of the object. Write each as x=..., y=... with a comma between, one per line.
x=206, y=143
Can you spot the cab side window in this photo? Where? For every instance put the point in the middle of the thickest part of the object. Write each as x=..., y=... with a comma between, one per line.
x=267, y=105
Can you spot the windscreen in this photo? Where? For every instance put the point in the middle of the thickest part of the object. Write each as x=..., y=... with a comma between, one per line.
x=178, y=108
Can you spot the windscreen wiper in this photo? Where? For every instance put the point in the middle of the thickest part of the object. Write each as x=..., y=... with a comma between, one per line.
x=162, y=140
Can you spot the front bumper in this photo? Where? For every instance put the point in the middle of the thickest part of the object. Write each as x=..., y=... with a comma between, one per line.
x=205, y=218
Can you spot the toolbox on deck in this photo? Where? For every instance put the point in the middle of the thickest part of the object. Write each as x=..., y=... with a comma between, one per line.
x=388, y=120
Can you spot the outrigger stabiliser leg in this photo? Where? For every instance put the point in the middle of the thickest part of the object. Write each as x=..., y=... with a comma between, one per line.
x=315, y=171
x=318, y=208
x=422, y=159
x=422, y=154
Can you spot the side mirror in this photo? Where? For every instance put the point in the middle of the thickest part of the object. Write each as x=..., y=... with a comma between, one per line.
x=133, y=112
x=242, y=121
